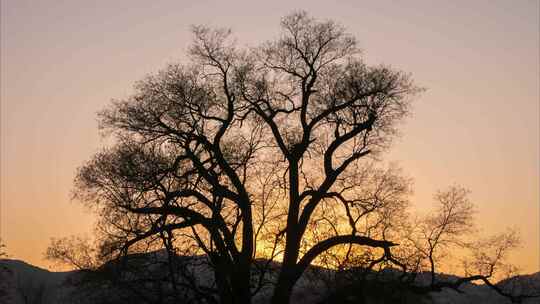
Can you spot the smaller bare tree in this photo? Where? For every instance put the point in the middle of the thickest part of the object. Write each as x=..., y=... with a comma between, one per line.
x=6, y=280
x=3, y=253
x=446, y=227
x=450, y=228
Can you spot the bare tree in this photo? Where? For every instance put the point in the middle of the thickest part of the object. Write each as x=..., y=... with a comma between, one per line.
x=77, y=252
x=452, y=220
x=3, y=253
x=193, y=139
x=267, y=152
x=6, y=277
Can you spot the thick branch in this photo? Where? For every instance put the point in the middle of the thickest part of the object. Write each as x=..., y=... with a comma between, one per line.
x=323, y=246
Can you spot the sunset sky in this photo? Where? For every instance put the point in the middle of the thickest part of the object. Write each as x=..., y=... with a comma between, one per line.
x=477, y=124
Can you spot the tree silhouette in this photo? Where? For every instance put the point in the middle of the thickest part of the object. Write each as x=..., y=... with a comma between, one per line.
x=3, y=252
x=269, y=152
x=6, y=283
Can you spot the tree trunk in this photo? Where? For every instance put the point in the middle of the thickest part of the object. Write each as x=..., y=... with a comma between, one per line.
x=224, y=290
x=233, y=285
x=242, y=294
x=283, y=291
x=241, y=285
x=286, y=279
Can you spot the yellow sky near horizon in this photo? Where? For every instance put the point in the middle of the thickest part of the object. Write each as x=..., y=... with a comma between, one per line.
x=477, y=124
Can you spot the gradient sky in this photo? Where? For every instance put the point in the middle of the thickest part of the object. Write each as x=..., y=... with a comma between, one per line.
x=477, y=124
